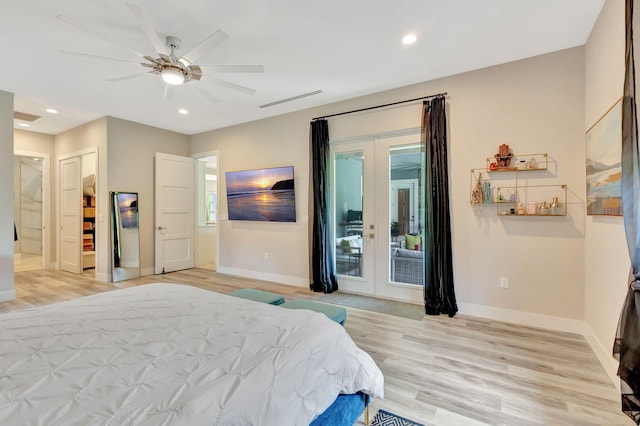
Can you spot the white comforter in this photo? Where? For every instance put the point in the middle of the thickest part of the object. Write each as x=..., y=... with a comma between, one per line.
x=171, y=354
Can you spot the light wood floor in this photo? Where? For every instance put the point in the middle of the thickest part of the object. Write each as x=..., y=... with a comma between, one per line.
x=438, y=371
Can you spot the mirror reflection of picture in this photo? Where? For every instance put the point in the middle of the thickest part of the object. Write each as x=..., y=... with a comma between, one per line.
x=128, y=207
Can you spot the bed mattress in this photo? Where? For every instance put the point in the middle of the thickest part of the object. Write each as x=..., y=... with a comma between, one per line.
x=172, y=354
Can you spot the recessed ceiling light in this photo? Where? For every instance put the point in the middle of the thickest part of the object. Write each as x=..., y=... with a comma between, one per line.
x=23, y=125
x=51, y=111
x=409, y=39
x=183, y=111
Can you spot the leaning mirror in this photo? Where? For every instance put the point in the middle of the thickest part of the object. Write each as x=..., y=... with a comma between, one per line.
x=125, y=238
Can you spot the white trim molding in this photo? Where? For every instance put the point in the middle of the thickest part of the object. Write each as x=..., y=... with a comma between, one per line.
x=7, y=295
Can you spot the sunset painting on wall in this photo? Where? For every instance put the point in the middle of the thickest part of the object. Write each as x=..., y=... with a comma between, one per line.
x=261, y=195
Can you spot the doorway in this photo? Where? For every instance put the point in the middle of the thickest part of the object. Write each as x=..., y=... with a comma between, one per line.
x=377, y=201
x=206, y=237
x=78, y=204
x=31, y=211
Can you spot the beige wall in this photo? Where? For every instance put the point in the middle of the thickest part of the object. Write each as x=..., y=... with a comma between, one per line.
x=278, y=141
x=535, y=105
x=606, y=257
x=131, y=151
x=7, y=292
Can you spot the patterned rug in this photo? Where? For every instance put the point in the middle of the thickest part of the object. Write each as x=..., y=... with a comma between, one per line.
x=385, y=418
x=391, y=307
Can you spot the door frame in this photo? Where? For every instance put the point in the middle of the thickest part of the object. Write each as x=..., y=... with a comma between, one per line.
x=99, y=217
x=196, y=157
x=46, y=202
x=377, y=159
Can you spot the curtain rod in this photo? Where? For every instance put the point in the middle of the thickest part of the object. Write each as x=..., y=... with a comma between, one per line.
x=380, y=106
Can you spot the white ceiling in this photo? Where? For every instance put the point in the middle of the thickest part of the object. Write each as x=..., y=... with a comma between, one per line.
x=346, y=48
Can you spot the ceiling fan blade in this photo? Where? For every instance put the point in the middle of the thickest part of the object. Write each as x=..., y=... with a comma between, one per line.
x=100, y=35
x=127, y=77
x=232, y=86
x=147, y=27
x=207, y=44
x=208, y=96
x=233, y=68
x=86, y=55
x=153, y=60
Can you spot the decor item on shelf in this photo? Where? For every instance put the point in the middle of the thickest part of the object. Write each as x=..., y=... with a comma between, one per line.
x=544, y=209
x=513, y=197
x=493, y=166
x=503, y=157
x=477, y=195
x=521, y=209
x=499, y=197
x=555, y=208
x=532, y=164
x=532, y=208
x=487, y=192
x=521, y=164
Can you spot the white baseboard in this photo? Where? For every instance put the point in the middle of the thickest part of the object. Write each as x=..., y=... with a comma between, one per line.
x=609, y=364
x=148, y=271
x=102, y=277
x=276, y=278
x=525, y=318
x=550, y=323
x=7, y=295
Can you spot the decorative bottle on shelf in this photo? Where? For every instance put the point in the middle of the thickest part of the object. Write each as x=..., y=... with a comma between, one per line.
x=532, y=209
x=544, y=209
x=555, y=208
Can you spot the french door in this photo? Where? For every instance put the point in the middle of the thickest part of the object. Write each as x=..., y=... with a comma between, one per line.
x=377, y=209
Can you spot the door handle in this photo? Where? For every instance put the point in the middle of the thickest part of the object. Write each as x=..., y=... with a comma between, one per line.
x=160, y=228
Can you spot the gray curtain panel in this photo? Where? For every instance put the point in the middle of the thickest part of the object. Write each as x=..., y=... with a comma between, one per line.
x=322, y=265
x=439, y=293
x=627, y=342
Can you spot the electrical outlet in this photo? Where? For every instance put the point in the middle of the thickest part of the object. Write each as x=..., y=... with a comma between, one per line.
x=504, y=282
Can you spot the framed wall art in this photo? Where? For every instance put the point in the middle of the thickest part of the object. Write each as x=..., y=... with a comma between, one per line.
x=603, y=149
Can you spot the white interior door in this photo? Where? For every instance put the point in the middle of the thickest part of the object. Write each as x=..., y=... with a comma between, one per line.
x=174, y=212
x=366, y=178
x=71, y=215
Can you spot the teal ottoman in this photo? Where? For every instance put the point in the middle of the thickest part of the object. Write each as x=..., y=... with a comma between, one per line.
x=258, y=296
x=335, y=313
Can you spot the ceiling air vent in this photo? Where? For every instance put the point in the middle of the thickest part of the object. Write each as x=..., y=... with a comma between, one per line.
x=293, y=98
x=25, y=117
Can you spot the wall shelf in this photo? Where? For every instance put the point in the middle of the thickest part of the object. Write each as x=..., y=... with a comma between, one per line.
x=504, y=189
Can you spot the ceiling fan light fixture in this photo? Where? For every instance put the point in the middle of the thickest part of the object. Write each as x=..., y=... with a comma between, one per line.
x=172, y=76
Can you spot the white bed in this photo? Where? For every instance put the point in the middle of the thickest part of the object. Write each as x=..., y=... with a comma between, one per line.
x=172, y=354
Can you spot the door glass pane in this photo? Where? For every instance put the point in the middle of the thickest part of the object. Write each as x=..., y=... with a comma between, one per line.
x=406, y=198
x=348, y=167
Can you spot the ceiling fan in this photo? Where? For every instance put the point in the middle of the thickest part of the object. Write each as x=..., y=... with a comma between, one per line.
x=174, y=70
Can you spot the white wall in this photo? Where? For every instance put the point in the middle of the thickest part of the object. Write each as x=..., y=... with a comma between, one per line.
x=7, y=291
x=131, y=152
x=606, y=257
x=535, y=105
